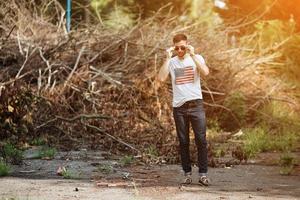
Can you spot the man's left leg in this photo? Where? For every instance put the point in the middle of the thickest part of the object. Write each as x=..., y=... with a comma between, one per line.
x=198, y=122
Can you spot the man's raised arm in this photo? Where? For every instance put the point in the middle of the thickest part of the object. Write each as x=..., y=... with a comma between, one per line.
x=201, y=67
x=164, y=70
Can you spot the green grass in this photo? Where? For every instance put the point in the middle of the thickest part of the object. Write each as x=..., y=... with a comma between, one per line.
x=152, y=151
x=4, y=169
x=127, y=160
x=38, y=142
x=286, y=159
x=12, y=154
x=279, y=117
x=47, y=153
x=105, y=168
x=213, y=125
x=236, y=102
x=219, y=152
x=213, y=129
x=260, y=139
x=68, y=175
x=286, y=163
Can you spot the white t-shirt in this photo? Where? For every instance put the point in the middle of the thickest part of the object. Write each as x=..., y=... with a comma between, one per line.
x=185, y=79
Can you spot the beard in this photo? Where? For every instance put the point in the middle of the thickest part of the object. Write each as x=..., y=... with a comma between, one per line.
x=181, y=54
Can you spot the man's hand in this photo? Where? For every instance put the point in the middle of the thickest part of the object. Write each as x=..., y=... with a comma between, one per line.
x=170, y=52
x=191, y=50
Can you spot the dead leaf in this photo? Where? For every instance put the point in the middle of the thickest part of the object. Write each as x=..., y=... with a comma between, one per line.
x=10, y=108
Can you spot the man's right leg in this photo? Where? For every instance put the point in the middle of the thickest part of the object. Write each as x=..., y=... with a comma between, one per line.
x=182, y=129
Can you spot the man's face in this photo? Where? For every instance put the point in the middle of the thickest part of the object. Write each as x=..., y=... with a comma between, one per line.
x=180, y=48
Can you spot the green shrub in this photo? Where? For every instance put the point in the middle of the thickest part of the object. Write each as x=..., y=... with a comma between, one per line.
x=286, y=162
x=261, y=139
x=236, y=102
x=152, y=151
x=127, y=160
x=115, y=16
x=67, y=174
x=38, y=142
x=213, y=125
x=4, y=169
x=279, y=117
x=291, y=69
x=255, y=141
x=105, y=168
x=219, y=152
x=286, y=159
x=12, y=154
x=47, y=153
x=120, y=18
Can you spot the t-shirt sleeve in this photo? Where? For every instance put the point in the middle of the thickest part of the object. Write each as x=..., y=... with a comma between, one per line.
x=201, y=59
x=171, y=68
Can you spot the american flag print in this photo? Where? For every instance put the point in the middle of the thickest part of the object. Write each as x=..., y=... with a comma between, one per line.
x=184, y=75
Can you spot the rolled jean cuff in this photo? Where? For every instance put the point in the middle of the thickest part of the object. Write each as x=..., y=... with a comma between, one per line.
x=187, y=173
x=203, y=174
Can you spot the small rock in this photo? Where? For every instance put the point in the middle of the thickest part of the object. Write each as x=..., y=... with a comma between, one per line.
x=60, y=171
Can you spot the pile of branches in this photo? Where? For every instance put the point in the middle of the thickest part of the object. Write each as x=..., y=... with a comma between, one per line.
x=94, y=86
x=97, y=86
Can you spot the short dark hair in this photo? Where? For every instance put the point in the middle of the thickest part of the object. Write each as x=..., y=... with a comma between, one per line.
x=179, y=37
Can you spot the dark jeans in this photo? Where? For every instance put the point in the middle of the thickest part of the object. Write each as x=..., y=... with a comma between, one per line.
x=191, y=112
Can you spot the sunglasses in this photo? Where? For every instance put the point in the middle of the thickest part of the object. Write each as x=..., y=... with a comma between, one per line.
x=182, y=48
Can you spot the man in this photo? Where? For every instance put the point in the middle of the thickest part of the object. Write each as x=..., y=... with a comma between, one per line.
x=185, y=69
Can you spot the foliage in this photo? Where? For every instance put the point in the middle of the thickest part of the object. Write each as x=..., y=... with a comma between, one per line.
x=219, y=152
x=38, y=142
x=119, y=18
x=152, y=151
x=114, y=14
x=245, y=12
x=260, y=139
x=291, y=69
x=106, y=168
x=236, y=103
x=100, y=4
x=278, y=117
x=213, y=131
x=4, y=169
x=280, y=38
x=67, y=174
x=213, y=124
x=127, y=160
x=286, y=159
x=47, y=152
x=272, y=32
x=286, y=162
x=12, y=154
